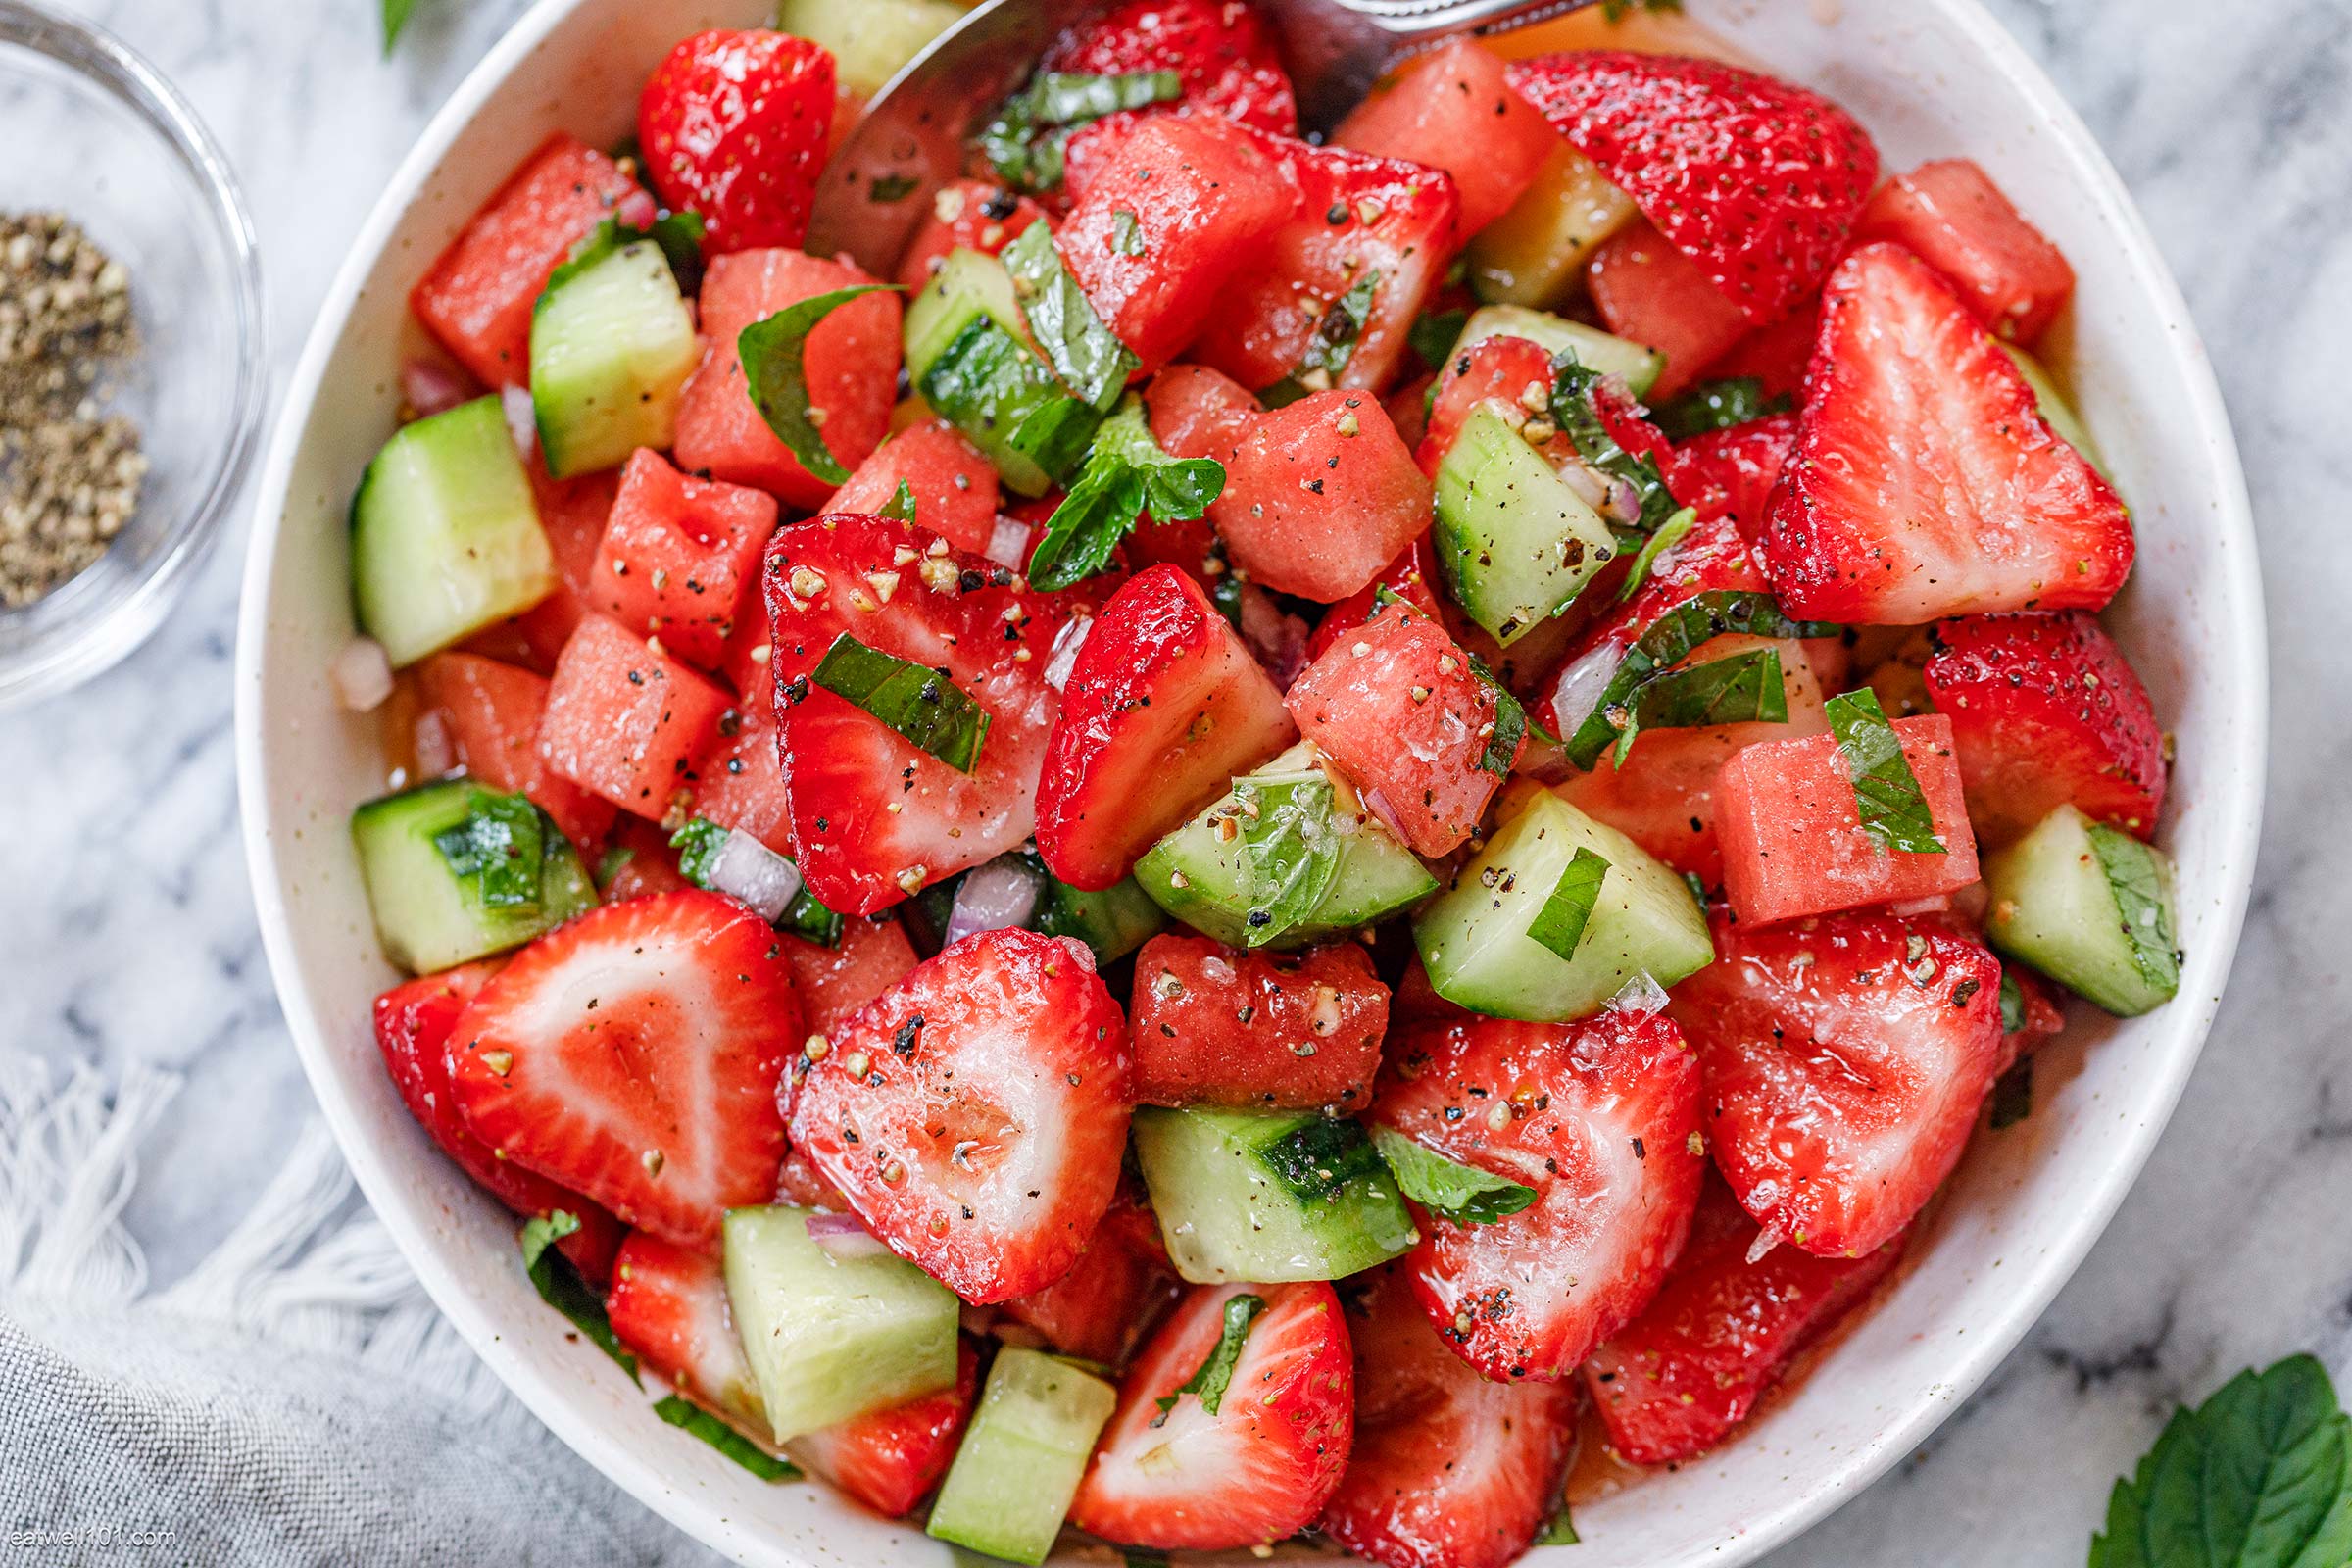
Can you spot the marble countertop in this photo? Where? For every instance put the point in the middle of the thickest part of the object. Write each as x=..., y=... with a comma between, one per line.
x=131, y=936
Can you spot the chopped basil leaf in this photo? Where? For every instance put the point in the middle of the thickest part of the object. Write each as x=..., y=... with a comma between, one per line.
x=608, y=866
x=1289, y=853
x=886, y=188
x=1887, y=793
x=499, y=849
x=1025, y=140
x=1329, y=347
x=923, y=704
x=1084, y=352
x=697, y=844
x=1698, y=886
x=693, y=1418
x=678, y=235
x=1213, y=1376
x=2013, y=1095
x=1510, y=716
x=1561, y=1532
x=1574, y=411
x=1717, y=406
x=1127, y=476
x=1321, y=1156
x=2013, y=1003
x=1126, y=233
x=774, y=372
x=2142, y=904
x=1225, y=592
x=1447, y=1187
x=1743, y=689
x=900, y=504
x=1670, y=534
x=1667, y=642
x=1560, y=924
x=1434, y=336
x=560, y=1287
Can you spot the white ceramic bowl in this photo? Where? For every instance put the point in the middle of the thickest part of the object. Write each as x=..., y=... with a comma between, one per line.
x=1931, y=77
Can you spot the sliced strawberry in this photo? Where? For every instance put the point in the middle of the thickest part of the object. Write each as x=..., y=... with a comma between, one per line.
x=1774, y=356
x=1950, y=215
x=1453, y=109
x=955, y=488
x=2046, y=711
x=1647, y=290
x=1846, y=1059
x=1320, y=495
x=971, y=215
x=800, y=1184
x=668, y=1304
x=975, y=1113
x=1731, y=474
x=633, y=1054
x=875, y=818
x=1600, y=1119
x=493, y=712
x=1756, y=180
x=1114, y=1292
x=1222, y=53
x=1677, y=1380
x=1360, y=220
x=1396, y=704
x=1450, y=1470
x=736, y=126
x=889, y=1458
x=1164, y=707
x=412, y=1025
x=873, y=956
x=1223, y=1026
x=1409, y=409
x=1924, y=480
x=1258, y=1468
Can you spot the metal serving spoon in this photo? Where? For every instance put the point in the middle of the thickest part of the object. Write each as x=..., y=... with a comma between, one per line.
x=911, y=140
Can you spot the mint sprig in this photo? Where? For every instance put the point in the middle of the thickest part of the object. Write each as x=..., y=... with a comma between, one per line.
x=1127, y=476
x=1893, y=808
x=775, y=372
x=1447, y=1187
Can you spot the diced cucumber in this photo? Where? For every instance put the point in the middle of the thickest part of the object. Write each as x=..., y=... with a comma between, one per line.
x=1022, y=1457
x=1513, y=542
x=2090, y=906
x=612, y=346
x=2055, y=409
x=429, y=915
x=1114, y=922
x=831, y=1335
x=445, y=537
x=966, y=284
x=1611, y=356
x=1474, y=939
x=1198, y=875
x=871, y=39
x=1243, y=1196
x=1534, y=254
x=968, y=353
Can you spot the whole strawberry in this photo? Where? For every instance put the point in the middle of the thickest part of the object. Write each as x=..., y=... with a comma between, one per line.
x=736, y=126
x=1756, y=180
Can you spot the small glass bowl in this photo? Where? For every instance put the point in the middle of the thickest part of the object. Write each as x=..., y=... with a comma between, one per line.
x=95, y=133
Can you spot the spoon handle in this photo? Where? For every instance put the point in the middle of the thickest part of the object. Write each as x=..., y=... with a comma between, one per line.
x=1434, y=19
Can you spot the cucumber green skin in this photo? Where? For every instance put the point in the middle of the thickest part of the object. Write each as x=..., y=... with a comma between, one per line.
x=1638, y=363
x=829, y=1337
x=2055, y=411
x=1022, y=1457
x=1473, y=938
x=1114, y=922
x=966, y=284
x=611, y=347
x=445, y=537
x=1226, y=1214
x=1513, y=542
x=988, y=383
x=424, y=915
x=2051, y=906
x=871, y=39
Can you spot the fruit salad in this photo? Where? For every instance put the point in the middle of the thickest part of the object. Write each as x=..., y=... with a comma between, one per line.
x=1295, y=825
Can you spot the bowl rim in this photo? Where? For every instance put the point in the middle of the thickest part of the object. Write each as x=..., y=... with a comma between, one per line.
x=80, y=650
x=2186, y=1022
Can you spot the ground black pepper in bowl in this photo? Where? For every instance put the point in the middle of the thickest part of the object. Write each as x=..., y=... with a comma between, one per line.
x=71, y=472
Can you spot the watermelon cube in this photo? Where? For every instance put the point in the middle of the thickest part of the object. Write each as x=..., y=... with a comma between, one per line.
x=677, y=555
x=1173, y=208
x=477, y=296
x=1450, y=109
x=1950, y=215
x=1517, y=370
x=851, y=366
x=494, y=712
x=625, y=722
x=1199, y=413
x=1320, y=495
x=1652, y=293
x=955, y=488
x=971, y=215
x=1791, y=833
x=740, y=783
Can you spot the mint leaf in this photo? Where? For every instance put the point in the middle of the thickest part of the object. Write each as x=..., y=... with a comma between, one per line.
x=1025, y=139
x=1211, y=1380
x=1561, y=1532
x=1560, y=924
x=1667, y=642
x=923, y=704
x=775, y=372
x=1084, y=352
x=901, y=505
x=1745, y=689
x=1447, y=1187
x=1510, y=716
x=1289, y=852
x=500, y=850
x=1717, y=406
x=693, y=1418
x=2142, y=904
x=560, y=1287
x=1329, y=347
x=2013, y=1003
x=2259, y=1476
x=678, y=235
x=1574, y=411
x=1670, y=534
x=1322, y=1156
x=1434, y=336
x=1127, y=475
x=1887, y=793
x=2013, y=1095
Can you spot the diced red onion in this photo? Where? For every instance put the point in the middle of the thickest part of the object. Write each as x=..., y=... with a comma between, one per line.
x=1378, y=805
x=1278, y=640
x=1578, y=690
x=1641, y=995
x=429, y=387
x=522, y=419
x=1591, y=489
x=1624, y=503
x=754, y=875
x=1067, y=643
x=844, y=1236
x=995, y=897
x=1932, y=904
x=362, y=675
x=436, y=750
x=1009, y=542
